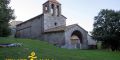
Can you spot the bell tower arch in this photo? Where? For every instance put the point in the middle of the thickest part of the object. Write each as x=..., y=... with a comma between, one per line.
x=52, y=7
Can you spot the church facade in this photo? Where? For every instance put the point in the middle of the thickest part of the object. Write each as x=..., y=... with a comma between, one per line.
x=50, y=26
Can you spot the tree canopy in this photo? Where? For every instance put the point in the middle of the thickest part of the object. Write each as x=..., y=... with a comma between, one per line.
x=6, y=14
x=107, y=28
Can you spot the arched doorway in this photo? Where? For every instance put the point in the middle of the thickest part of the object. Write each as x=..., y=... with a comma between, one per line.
x=76, y=39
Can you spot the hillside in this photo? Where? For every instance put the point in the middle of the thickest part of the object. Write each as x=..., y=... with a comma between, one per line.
x=47, y=51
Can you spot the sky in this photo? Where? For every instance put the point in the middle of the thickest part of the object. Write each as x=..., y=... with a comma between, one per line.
x=81, y=12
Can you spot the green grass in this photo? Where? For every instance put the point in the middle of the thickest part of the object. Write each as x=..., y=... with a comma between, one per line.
x=46, y=50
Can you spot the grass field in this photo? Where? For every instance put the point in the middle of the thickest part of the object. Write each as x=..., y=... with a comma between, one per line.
x=45, y=50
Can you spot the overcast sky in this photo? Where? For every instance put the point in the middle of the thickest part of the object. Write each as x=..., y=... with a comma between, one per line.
x=80, y=12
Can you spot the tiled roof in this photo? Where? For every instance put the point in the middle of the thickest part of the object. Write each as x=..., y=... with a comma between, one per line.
x=61, y=28
x=56, y=29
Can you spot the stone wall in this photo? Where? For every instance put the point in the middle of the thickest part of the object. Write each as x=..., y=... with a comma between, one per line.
x=23, y=30
x=31, y=28
x=91, y=41
x=56, y=38
x=37, y=27
x=49, y=21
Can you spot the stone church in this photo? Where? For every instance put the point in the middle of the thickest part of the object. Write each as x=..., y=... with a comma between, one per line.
x=50, y=26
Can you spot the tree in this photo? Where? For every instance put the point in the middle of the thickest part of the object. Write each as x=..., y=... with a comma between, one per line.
x=107, y=28
x=6, y=14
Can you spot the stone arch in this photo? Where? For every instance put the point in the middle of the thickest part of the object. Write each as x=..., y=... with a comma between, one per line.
x=57, y=10
x=76, y=39
x=52, y=9
x=78, y=34
x=46, y=8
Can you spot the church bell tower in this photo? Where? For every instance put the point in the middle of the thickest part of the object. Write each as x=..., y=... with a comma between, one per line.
x=52, y=15
x=52, y=7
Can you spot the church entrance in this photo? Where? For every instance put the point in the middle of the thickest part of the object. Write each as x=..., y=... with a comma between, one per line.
x=76, y=39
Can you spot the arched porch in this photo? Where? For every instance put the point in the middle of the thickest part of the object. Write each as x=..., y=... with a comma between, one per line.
x=76, y=39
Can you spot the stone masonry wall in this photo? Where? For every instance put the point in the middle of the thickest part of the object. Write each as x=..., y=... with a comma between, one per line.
x=30, y=29
x=57, y=38
x=49, y=21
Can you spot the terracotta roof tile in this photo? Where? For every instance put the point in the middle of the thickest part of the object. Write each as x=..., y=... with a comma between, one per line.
x=56, y=29
x=61, y=28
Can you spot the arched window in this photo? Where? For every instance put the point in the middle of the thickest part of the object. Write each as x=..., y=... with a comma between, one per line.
x=57, y=11
x=52, y=9
x=46, y=8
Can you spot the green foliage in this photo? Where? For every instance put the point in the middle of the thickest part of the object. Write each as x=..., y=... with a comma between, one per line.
x=107, y=28
x=46, y=50
x=6, y=14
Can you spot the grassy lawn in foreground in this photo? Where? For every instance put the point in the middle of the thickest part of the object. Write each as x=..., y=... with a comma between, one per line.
x=46, y=50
